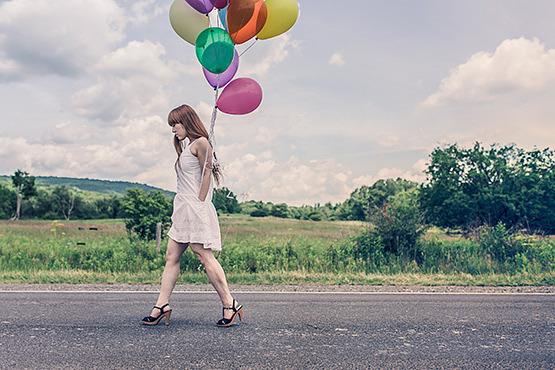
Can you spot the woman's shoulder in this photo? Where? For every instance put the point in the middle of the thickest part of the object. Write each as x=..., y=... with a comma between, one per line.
x=198, y=143
x=200, y=140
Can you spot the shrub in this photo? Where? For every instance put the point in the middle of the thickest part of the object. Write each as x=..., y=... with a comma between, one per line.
x=400, y=223
x=369, y=247
x=498, y=242
x=143, y=210
x=279, y=210
x=259, y=210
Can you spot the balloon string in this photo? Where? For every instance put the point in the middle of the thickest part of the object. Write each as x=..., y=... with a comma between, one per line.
x=211, y=137
x=250, y=46
x=211, y=140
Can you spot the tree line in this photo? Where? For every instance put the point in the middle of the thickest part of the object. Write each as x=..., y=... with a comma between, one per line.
x=464, y=188
x=24, y=199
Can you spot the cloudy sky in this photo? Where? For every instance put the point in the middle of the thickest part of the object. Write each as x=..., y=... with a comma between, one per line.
x=353, y=93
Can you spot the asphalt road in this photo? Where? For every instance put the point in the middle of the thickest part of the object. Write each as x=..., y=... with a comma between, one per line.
x=101, y=330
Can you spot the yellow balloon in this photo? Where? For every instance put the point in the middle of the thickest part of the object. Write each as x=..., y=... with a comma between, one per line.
x=186, y=21
x=282, y=15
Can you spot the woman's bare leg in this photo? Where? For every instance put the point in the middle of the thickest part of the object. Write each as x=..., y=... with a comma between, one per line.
x=170, y=274
x=215, y=274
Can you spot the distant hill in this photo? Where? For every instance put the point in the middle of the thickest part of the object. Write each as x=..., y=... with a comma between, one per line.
x=99, y=186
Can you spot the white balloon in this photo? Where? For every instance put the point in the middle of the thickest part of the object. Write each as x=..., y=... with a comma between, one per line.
x=186, y=21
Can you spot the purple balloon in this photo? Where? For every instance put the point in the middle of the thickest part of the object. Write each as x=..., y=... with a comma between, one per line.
x=241, y=96
x=203, y=6
x=220, y=80
x=220, y=4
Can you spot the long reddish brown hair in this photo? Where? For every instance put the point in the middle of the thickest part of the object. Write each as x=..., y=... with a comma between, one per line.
x=194, y=127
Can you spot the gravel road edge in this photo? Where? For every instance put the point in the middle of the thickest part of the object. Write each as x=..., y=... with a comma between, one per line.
x=288, y=288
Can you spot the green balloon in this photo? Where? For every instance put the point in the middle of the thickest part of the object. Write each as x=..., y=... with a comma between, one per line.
x=215, y=49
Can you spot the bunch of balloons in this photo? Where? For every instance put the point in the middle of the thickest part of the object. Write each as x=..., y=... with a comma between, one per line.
x=241, y=21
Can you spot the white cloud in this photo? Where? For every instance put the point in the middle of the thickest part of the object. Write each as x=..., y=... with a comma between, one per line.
x=68, y=133
x=9, y=69
x=102, y=101
x=140, y=149
x=337, y=59
x=143, y=60
x=142, y=11
x=388, y=140
x=55, y=36
x=297, y=181
x=516, y=65
x=266, y=135
x=132, y=82
x=293, y=181
x=415, y=173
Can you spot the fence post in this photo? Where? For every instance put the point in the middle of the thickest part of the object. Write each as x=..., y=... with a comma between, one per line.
x=158, y=236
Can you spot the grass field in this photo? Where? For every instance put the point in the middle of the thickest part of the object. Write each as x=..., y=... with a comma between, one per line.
x=255, y=251
x=233, y=227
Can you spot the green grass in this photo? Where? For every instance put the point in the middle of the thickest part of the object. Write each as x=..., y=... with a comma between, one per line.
x=257, y=251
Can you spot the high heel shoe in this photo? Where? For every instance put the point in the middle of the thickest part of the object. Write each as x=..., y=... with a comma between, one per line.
x=151, y=320
x=237, y=311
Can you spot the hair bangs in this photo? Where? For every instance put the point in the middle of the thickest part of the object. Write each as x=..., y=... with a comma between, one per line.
x=174, y=117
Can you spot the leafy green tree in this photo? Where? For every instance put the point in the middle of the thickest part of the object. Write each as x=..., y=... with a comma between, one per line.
x=248, y=206
x=279, y=210
x=109, y=207
x=63, y=199
x=307, y=212
x=299, y=212
x=260, y=210
x=24, y=185
x=534, y=190
x=40, y=205
x=225, y=201
x=484, y=186
x=356, y=206
x=315, y=215
x=7, y=201
x=443, y=197
x=143, y=210
x=367, y=200
x=85, y=208
x=382, y=190
x=330, y=211
x=295, y=212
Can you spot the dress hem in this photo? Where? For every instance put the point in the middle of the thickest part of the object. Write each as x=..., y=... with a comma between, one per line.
x=205, y=244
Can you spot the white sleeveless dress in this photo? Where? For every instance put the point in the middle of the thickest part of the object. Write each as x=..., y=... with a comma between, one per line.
x=193, y=220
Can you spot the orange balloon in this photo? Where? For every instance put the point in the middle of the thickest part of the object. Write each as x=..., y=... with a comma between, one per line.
x=245, y=18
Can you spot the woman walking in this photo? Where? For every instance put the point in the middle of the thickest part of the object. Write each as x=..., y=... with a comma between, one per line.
x=194, y=218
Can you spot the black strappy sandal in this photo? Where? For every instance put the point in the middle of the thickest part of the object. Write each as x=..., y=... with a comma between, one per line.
x=151, y=320
x=237, y=311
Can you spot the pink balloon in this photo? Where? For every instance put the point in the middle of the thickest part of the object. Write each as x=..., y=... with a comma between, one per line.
x=202, y=6
x=220, y=4
x=241, y=96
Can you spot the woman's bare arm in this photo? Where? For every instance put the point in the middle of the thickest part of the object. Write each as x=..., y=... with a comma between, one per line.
x=204, y=155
